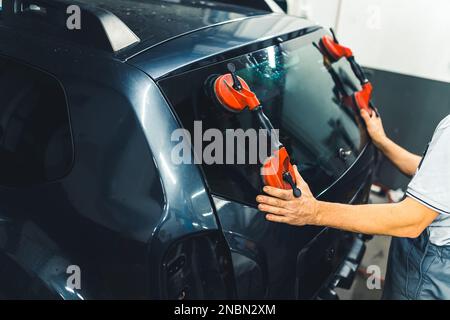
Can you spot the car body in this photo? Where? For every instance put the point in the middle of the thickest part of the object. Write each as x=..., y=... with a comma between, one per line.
x=87, y=185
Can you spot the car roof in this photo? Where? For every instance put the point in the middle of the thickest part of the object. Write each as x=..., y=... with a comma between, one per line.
x=122, y=27
x=172, y=34
x=155, y=21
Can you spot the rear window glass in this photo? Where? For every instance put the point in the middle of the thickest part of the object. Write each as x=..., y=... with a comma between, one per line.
x=298, y=95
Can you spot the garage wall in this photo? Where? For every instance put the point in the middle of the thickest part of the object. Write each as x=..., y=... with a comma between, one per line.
x=410, y=36
x=324, y=12
x=405, y=46
x=411, y=108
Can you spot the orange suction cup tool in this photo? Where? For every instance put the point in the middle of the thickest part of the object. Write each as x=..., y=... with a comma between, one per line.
x=278, y=172
x=362, y=98
x=333, y=50
x=234, y=93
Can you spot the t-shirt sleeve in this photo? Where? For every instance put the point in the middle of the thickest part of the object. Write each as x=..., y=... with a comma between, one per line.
x=431, y=184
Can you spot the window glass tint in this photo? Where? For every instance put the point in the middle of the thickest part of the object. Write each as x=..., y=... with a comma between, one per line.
x=298, y=95
x=35, y=138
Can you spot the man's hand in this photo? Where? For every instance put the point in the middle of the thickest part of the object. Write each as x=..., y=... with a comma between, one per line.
x=375, y=128
x=404, y=160
x=283, y=207
x=408, y=218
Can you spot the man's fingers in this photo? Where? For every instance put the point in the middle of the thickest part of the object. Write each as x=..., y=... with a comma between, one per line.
x=275, y=218
x=274, y=210
x=365, y=115
x=275, y=202
x=278, y=193
x=298, y=178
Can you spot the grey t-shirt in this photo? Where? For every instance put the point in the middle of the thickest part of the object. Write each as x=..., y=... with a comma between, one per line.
x=431, y=184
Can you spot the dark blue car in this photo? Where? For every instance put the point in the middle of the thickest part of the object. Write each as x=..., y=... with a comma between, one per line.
x=91, y=205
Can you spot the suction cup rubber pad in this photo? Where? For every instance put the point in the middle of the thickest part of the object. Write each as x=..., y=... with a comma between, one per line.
x=225, y=95
x=275, y=167
x=333, y=50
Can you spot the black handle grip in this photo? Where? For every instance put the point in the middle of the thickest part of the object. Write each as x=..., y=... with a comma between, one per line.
x=265, y=124
x=288, y=178
x=236, y=82
x=297, y=192
x=334, y=35
x=359, y=72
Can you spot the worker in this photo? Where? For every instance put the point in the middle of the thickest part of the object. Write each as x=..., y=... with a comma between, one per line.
x=419, y=257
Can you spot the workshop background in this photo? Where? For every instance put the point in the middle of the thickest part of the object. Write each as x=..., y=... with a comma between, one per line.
x=402, y=44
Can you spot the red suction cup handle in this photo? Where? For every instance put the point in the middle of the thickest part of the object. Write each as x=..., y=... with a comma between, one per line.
x=334, y=50
x=279, y=172
x=362, y=98
x=235, y=100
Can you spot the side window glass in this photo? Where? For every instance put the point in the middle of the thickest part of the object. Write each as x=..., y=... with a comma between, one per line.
x=35, y=137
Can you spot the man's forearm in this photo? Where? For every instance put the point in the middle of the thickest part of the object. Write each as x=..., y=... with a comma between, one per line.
x=402, y=219
x=404, y=160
